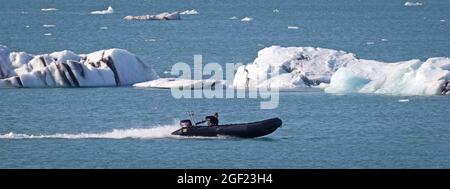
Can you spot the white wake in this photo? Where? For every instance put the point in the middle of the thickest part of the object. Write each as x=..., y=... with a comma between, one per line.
x=157, y=132
x=163, y=131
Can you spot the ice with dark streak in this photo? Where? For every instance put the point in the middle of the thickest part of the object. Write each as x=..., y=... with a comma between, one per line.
x=111, y=67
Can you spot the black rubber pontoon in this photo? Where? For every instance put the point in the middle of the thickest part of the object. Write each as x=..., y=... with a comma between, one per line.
x=244, y=130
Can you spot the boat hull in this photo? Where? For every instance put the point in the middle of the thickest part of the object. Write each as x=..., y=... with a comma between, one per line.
x=244, y=130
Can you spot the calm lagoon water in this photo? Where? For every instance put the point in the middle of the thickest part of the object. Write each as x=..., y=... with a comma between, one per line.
x=127, y=127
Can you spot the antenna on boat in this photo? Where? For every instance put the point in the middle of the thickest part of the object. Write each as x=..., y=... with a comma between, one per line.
x=191, y=117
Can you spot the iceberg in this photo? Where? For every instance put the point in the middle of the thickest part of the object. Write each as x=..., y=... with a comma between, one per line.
x=411, y=4
x=291, y=67
x=414, y=77
x=49, y=9
x=341, y=72
x=161, y=16
x=111, y=67
x=169, y=83
x=190, y=12
x=246, y=19
x=110, y=10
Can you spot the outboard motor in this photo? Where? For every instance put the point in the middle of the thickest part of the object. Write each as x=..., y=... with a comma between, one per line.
x=185, y=123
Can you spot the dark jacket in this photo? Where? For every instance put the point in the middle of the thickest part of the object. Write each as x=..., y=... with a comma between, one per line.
x=212, y=120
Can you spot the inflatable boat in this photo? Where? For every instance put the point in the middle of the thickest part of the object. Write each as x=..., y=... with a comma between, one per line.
x=243, y=130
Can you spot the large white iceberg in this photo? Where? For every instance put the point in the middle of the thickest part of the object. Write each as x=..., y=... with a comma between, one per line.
x=342, y=72
x=112, y=67
x=291, y=67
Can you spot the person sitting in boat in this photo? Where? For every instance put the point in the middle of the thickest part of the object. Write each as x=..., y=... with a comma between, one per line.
x=211, y=120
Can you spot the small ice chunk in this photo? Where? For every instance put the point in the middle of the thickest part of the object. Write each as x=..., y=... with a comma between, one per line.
x=190, y=12
x=276, y=10
x=412, y=4
x=384, y=39
x=27, y=26
x=233, y=18
x=104, y=28
x=370, y=43
x=47, y=34
x=403, y=100
x=49, y=9
x=150, y=40
x=442, y=20
x=48, y=26
x=110, y=10
x=246, y=19
x=161, y=16
x=293, y=27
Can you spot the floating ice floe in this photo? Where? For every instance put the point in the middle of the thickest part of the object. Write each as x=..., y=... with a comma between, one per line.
x=49, y=9
x=412, y=77
x=109, y=10
x=233, y=18
x=161, y=16
x=104, y=28
x=47, y=34
x=403, y=100
x=190, y=12
x=276, y=10
x=411, y=4
x=442, y=20
x=342, y=72
x=293, y=27
x=384, y=40
x=112, y=67
x=48, y=26
x=246, y=19
x=169, y=83
x=296, y=67
x=370, y=43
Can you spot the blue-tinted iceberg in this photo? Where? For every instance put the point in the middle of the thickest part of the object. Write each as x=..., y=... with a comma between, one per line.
x=412, y=77
x=341, y=72
x=112, y=67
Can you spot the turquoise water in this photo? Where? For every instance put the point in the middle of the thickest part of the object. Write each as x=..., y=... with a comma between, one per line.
x=74, y=128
